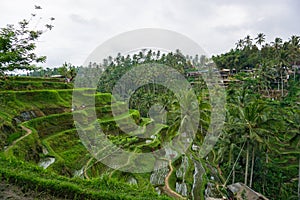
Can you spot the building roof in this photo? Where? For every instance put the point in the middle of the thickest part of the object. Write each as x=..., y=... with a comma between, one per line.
x=240, y=189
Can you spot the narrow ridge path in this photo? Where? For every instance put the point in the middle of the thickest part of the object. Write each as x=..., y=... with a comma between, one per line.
x=28, y=132
x=86, y=168
x=167, y=187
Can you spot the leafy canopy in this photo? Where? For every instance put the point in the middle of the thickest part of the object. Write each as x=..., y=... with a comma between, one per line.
x=18, y=44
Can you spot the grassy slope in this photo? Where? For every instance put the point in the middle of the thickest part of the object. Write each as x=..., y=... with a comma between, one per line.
x=35, y=178
x=47, y=131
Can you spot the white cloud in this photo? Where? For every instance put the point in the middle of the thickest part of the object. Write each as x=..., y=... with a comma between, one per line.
x=230, y=15
x=81, y=25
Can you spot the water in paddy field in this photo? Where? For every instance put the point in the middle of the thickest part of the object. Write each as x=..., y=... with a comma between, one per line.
x=46, y=162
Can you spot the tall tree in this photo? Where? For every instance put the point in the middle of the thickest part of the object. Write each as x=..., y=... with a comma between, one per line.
x=294, y=49
x=260, y=39
x=239, y=44
x=277, y=43
x=17, y=46
x=248, y=41
x=250, y=120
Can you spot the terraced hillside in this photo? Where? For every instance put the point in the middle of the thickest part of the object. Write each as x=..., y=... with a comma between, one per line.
x=42, y=152
x=37, y=131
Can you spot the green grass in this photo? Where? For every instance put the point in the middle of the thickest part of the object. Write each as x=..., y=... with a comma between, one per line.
x=35, y=178
x=67, y=147
x=63, y=140
x=52, y=124
x=11, y=138
x=54, y=130
x=33, y=79
x=33, y=85
x=12, y=103
x=28, y=149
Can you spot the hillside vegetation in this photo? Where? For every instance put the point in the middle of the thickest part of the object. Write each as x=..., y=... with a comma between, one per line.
x=42, y=149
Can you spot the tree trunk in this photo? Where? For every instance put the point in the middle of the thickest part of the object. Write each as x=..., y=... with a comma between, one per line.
x=247, y=164
x=267, y=90
x=233, y=176
x=233, y=170
x=252, y=167
x=294, y=70
x=266, y=172
x=299, y=180
x=281, y=84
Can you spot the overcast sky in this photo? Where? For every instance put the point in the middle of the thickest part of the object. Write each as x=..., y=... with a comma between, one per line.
x=81, y=25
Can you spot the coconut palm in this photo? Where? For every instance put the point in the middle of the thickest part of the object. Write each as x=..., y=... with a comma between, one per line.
x=295, y=41
x=260, y=39
x=230, y=142
x=250, y=120
x=294, y=49
x=277, y=44
x=282, y=64
x=239, y=44
x=265, y=75
x=248, y=41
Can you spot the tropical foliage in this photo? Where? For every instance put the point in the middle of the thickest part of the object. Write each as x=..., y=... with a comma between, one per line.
x=18, y=44
x=259, y=145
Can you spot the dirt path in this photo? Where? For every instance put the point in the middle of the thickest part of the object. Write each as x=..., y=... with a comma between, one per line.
x=86, y=168
x=13, y=192
x=167, y=188
x=28, y=132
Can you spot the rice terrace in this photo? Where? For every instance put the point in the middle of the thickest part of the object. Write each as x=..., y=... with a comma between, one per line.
x=151, y=123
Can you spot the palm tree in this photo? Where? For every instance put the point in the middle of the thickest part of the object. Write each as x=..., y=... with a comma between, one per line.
x=231, y=142
x=239, y=44
x=260, y=39
x=248, y=41
x=183, y=121
x=281, y=60
x=265, y=74
x=282, y=64
x=277, y=44
x=295, y=41
x=294, y=48
x=250, y=118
